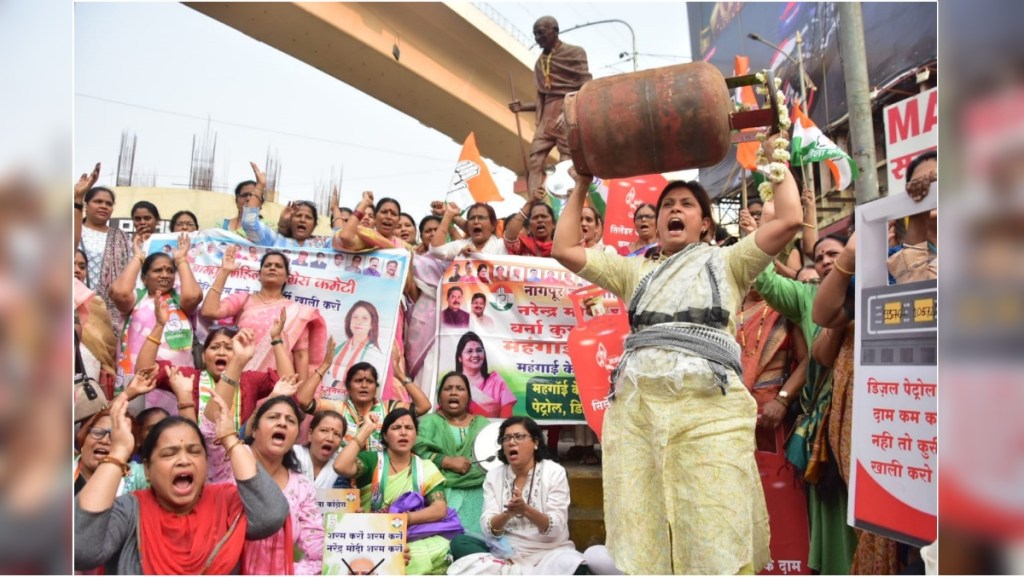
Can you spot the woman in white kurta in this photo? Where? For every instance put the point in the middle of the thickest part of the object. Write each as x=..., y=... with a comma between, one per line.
x=526, y=510
x=682, y=493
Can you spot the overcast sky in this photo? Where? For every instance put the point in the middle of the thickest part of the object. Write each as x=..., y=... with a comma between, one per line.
x=166, y=72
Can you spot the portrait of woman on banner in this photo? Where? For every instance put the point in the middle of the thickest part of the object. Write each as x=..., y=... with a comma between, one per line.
x=490, y=396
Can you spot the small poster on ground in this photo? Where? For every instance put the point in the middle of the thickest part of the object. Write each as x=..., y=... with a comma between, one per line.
x=364, y=543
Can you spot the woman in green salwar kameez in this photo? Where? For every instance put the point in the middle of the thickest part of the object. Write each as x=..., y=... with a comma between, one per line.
x=384, y=476
x=446, y=438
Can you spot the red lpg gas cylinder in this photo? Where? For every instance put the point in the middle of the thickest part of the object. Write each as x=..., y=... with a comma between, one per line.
x=595, y=347
x=648, y=122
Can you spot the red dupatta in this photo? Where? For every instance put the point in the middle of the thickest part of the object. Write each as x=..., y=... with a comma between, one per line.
x=207, y=540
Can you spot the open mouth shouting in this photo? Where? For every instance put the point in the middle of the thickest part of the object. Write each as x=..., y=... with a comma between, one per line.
x=675, y=225
x=183, y=483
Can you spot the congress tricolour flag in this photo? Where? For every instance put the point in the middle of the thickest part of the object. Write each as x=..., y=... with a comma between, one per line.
x=472, y=181
x=811, y=145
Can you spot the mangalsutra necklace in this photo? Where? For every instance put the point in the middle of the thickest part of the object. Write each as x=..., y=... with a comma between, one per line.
x=760, y=328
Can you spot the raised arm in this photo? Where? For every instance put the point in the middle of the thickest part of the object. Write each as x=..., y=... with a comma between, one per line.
x=151, y=346
x=85, y=182
x=255, y=230
x=228, y=265
x=829, y=310
x=810, y=236
x=243, y=462
x=191, y=293
x=773, y=236
x=566, y=248
x=308, y=387
x=282, y=356
x=346, y=238
x=451, y=212
x=122, y=290
x=420, y=402
x=345, y=464
x=100, y=491
x=243, y=349
x=827, y=344
x=520, y=219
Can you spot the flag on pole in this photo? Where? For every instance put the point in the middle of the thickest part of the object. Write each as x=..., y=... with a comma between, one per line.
x=746, y=152
x=472, y=181
x=811, y=145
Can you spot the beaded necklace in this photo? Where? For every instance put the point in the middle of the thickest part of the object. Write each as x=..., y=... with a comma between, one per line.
x=760, y=328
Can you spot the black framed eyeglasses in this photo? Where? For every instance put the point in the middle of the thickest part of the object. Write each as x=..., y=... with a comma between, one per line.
x=517, y=437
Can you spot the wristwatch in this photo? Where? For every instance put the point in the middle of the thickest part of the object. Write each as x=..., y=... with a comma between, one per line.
x=783, y=397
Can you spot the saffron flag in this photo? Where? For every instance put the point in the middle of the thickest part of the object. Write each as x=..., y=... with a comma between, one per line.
x=811, y=145
x=472, y=181
x=746, y=152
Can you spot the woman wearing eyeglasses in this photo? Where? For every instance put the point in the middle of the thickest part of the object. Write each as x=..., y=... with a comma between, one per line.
x=526, y=509
x=181, y=525
x=481, y=222
x=93, y=438
x=646, y=231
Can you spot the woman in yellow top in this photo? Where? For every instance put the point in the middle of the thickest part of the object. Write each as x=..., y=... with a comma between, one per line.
x=682, y=491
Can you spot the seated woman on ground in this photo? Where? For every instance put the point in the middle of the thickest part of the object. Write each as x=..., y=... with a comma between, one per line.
x=385, y=476
x=180, y=525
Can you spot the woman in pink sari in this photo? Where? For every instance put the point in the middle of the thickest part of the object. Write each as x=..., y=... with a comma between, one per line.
x=305, y=333
x=489, y=394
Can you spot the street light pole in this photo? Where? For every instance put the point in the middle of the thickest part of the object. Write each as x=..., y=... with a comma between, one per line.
x=809, y=185
x=631, y=33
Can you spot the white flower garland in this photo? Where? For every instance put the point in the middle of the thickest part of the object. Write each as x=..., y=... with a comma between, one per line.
x=780, y=155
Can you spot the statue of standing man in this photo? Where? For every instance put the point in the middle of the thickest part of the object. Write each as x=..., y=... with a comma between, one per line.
x=560, y=69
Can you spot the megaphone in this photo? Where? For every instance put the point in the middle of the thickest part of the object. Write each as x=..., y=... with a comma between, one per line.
x=559, y=183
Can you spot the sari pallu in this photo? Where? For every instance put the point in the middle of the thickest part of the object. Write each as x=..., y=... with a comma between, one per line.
x=305, y=329
x=208, y=540
x=764, y=372
x=115, y=256
x=434, y=442
x=378, y=490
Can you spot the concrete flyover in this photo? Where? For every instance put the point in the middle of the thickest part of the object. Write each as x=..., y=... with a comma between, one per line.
x=452, y=71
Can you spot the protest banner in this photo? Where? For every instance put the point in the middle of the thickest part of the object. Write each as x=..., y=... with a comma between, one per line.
x=357, y=294
x=337, y=500
x=911, y=128
x=894, y=447
x=625, y=195
x=504, y=321
x=364, y=543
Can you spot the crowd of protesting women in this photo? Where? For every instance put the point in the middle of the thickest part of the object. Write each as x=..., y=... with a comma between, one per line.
x=205, y=461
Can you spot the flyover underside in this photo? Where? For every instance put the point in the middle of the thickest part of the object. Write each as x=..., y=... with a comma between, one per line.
x=452, y=73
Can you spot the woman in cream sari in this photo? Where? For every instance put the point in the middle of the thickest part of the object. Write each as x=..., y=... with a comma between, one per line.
x=384, y=476
x=678, y=444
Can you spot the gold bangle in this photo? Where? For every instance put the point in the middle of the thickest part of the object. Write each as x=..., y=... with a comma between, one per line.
x=227, y=453
x=317, y=371
x=142, y=259
x=220, y=440
x=836, y=266
x=809, y=225
x=124, y=466
x=179, y=262
x=218, y=291
x=153, y=340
